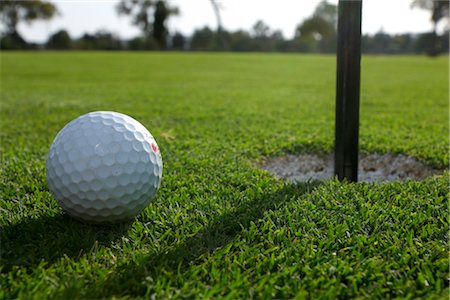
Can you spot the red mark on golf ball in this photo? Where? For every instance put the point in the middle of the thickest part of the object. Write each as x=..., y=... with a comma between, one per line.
x=155, y=149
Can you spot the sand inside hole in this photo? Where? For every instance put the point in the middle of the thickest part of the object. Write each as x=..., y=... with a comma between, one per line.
x=372, y=167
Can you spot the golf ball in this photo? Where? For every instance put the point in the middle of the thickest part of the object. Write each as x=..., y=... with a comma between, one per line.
x=104, y=167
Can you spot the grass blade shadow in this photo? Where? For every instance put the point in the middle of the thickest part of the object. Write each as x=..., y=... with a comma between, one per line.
x=47, y=238
x=192, y=251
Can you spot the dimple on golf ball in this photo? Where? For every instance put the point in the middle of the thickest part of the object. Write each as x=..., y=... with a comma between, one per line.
x=104, y=167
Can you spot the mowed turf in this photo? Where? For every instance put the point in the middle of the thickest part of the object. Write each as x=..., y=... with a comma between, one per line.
x=219, y=227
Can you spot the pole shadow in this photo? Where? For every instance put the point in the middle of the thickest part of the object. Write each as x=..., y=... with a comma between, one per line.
x=45, y=239
x=221, y=231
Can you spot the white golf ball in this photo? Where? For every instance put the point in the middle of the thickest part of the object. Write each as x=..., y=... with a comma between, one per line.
x=104, y=167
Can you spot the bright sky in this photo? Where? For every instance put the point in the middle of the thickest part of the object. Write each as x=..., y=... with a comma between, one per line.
x=80, y=16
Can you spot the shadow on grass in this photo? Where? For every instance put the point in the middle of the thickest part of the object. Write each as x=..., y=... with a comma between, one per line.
x=47, y=238
x=221, y=231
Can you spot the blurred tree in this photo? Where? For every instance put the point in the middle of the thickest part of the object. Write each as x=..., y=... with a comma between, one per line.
x=312, y=31
x=220, y=31
x=316, y=27
x=401, y=43
x=13, y=12
x=13, y=41
x=318, y=32
x=85, y=42
x=105, y=40
x=446, y=41
x=327, y=12
x=424, y=40
x=160, y=32
x=178, y=42
x=439, y=10
x=142, y=43
x=261, y=29
x=261, y=37
x=264, y=39
x=59, y=40
x=142, y=12
x=276, y=41
x=203, y=39
x=381, y=42
x=101, y=40
x=240, y=41
x=281, y=44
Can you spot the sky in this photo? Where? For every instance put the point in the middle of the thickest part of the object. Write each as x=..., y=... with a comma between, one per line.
x=88, y=16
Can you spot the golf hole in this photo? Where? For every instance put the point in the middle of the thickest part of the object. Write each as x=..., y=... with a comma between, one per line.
x=372, y=167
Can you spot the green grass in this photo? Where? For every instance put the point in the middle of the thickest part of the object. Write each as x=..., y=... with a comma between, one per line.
x=219, y=227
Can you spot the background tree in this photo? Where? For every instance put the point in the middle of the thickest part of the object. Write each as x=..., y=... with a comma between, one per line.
x=141, y=43
x=203, y=39
x=220, y=31
x=150, y=16
x=59, y=40
x=160, y=32
x=382, y=42
x=260, y=29
x=178, y=41
x=101, y=40
x=318, y=32
x=327, y=12
x=240, y=41
x=439, y=10
x=13, y=12
x=314, y=31
x=263, y=40
x=13, y=41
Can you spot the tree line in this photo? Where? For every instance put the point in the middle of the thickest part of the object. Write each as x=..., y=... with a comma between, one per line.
x=315, y=34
